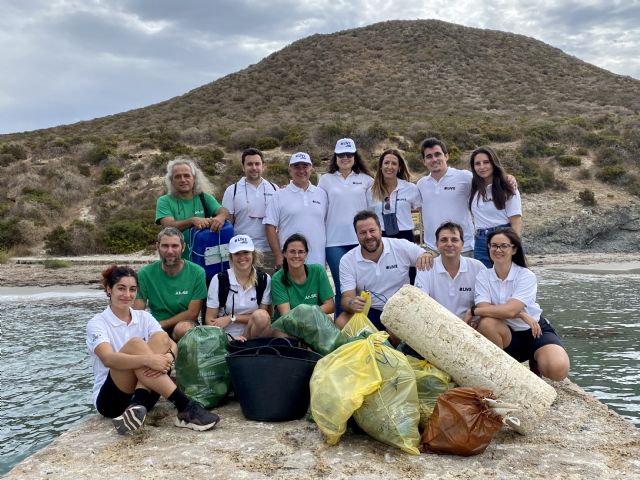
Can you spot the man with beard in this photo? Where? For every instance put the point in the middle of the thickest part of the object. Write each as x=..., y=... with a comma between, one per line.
x=379, y=265
x=173, y=288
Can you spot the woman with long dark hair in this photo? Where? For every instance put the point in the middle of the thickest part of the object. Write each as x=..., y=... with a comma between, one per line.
x=493, y=201
x=392, y=196
x=297, y=283
x=132, y=357
x=346, y=185
x=506, y=311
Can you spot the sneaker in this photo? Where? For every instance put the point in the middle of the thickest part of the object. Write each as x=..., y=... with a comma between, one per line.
x=196, y=417
x=131, y=419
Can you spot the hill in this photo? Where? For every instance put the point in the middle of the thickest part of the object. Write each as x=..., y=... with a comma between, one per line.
x=562, y=125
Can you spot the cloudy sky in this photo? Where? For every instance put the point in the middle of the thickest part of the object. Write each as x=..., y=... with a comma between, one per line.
x=62, y=61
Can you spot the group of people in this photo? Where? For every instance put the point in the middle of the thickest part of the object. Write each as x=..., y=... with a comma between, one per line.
x=360, y=225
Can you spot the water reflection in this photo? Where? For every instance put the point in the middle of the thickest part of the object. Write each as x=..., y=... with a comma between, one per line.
x=597, y=315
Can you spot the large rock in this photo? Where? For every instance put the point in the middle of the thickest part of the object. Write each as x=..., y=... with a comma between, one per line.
x=471, y=360
x=579, y=439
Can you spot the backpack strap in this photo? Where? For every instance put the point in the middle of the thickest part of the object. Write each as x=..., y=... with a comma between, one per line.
x=273, y=185
x=262, y=285
x=204, y=205
x=223, y=289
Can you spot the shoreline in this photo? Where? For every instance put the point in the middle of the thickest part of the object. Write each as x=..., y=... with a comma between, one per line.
x=85, y=271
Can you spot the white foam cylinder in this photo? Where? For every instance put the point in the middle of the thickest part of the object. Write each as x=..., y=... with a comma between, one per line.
x=471, y=360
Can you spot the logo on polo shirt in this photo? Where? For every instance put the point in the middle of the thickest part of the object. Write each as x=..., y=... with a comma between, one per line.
x=182, y=292
x=356, y=183
x=316, y=201
x=402, y=199
x=466, y=289
x=311, y=296
x=390, y=267
x=450, y=188
x=253, y=299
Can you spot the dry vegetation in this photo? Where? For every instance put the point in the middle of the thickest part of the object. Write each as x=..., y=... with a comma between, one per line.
x=559, y=123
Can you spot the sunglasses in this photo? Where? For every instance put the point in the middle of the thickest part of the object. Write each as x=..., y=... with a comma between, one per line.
x=345, y=155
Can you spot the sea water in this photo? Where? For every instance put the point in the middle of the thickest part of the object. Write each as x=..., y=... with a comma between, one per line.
x=45, y=375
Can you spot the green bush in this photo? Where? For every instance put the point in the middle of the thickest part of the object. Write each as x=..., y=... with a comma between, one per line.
x=587, y=197
x=569, y=161
x=55, y=263
x=10, y=234
x=266, y=143
x=532, y=147
x=98, y=153
x=242, y=139
x=127, y=236
x=5, y=256
x=110, y=174
x=608, y=156
x=17, y=151
x=58, y=242
x=42, y=196
x=615, y=174
x=84, y=170
x=6, y=159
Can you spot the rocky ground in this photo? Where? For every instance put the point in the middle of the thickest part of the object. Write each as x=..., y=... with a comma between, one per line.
x=579, y=439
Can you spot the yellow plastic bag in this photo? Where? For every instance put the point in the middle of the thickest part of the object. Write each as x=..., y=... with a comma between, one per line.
x=359, y=324
x=431, y=382
x=339, y=383
x=391, y=414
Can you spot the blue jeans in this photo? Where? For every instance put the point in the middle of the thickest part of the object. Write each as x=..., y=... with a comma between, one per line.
x=334, y=254
x=480, y=249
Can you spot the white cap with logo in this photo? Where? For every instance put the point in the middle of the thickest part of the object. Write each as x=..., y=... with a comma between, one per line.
x=300, y=157
x=241, y=243
x=345, y=145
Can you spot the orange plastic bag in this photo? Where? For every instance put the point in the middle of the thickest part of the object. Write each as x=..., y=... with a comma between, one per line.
x=461, y=423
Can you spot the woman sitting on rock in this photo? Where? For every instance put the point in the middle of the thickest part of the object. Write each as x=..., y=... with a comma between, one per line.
x=509, y=316
x=131, y=357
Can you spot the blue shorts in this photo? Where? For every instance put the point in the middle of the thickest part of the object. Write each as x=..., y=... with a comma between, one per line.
x=524, y=345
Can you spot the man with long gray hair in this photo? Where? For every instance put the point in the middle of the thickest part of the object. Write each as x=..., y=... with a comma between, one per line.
x=188, y=202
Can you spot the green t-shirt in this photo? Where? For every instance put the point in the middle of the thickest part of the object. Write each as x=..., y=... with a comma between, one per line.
x=314, y=291
x=167, y=296
x=181, y=209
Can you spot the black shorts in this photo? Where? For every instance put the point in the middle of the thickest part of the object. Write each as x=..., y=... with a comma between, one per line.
x=524, y=345
x=112, y=401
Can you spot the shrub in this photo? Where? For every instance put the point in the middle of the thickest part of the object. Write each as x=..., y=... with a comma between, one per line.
x=266, y=143
x=55, y=263
x=127, y=236
x=42, y=196
x=17, y=151
x=583, y=174
x=110, y=174
x=10, y=233
x=6, y=159
x=242, y=139
x=5, y=256
x=532, y=147
x=569, y=161
x=587, y=197
x=607, y=156
x=98, y=153
x=615, y=174
x=84, y=170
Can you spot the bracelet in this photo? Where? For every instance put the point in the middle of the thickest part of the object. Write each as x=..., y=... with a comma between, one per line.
x=350, y=304
x=172, y=354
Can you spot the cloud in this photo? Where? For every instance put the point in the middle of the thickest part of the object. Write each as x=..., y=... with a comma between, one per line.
x=70, y=60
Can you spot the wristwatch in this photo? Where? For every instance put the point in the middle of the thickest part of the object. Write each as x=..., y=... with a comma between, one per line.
x=233, y=318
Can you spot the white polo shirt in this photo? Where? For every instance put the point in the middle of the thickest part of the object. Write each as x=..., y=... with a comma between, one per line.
x=293, y=210
x=239, y=300
x=402, y=200
x=446, y=200
x=455, y=294
x=105, y=327
x=347, y=196
x=384, y=277
x=520, y=284
x=249, y=204
x=486, y=215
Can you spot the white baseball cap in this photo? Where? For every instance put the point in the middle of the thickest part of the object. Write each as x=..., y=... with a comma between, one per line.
x=241, y=243
x=300, y=157
x=345, y=145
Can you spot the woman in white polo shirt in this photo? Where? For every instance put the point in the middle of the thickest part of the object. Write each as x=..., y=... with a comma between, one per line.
x=346, y=185
x=493, y=201
x=392, y=196
x=243, y=314
x=506, y=311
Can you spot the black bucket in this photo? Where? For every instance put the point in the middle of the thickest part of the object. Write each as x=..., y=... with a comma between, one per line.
x=272, y=382
x=237, y=345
